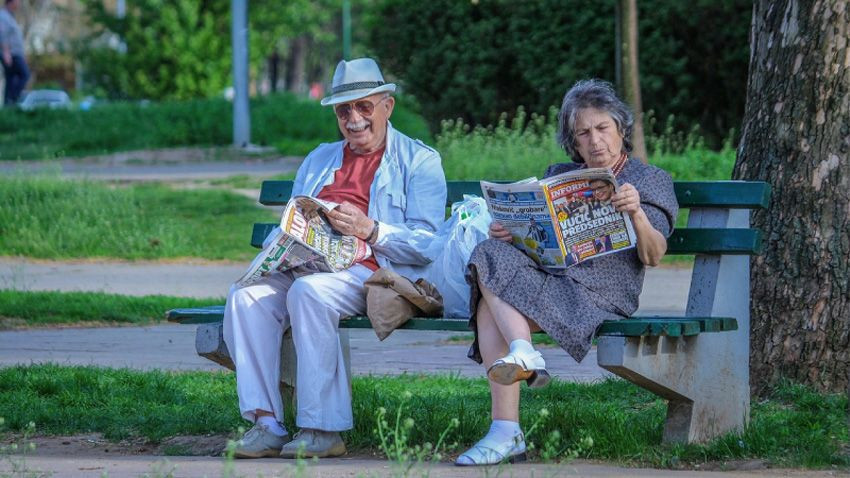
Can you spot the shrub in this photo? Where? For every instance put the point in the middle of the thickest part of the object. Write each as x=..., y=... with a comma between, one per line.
x=477, y=59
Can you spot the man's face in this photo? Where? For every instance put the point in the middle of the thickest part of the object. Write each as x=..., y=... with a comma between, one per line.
x=13, y=5
x=365, y=132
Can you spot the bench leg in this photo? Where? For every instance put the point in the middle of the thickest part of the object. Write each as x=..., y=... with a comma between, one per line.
x=209, y=343
x=705, y=378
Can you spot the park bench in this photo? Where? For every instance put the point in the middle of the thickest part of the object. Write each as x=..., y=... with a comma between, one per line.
x=699, y=362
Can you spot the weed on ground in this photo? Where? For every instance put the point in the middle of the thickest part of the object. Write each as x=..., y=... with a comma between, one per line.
x=612, y=420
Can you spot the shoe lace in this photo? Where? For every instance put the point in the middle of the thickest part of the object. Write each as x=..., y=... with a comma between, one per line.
x=253, y=432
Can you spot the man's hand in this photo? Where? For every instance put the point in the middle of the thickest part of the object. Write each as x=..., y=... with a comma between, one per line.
x=498, y=232
x=627, y=199
x=7, y=57
x=350, y=221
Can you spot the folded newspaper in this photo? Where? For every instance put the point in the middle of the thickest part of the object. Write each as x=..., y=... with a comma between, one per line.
x=306, y=238
x=562, y=220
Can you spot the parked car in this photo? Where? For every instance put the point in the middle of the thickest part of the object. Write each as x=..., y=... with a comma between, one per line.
x=45, y=99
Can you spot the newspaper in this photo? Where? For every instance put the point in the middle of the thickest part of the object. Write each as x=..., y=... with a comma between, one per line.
x=306, y=238
x=562, y=220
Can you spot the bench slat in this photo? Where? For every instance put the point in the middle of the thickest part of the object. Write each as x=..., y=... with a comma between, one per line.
x=715, y=241
x=683, y=241
x=689, y=194
x=634, y=327
x=276, y=193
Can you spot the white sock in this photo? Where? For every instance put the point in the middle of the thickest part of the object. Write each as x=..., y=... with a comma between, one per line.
x=272, y=424
x=523, y=346
x=503, y=430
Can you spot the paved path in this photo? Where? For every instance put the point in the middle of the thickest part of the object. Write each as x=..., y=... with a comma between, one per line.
x=171, y=346
x=665, y=290
x=161, y=165
x=135, y=466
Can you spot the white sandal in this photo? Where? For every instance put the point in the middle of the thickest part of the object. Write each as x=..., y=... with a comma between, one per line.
x=488, y=452
x=518, y=366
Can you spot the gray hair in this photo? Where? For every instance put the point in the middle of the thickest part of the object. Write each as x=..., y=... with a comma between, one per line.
x=593, y=94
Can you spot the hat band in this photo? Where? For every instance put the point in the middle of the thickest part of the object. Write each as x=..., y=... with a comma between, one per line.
x=359, y=85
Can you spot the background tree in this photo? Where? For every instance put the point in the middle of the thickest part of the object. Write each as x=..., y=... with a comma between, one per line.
x=629, y=77
x=180, y=49
x=476, y=60
x=796, y=136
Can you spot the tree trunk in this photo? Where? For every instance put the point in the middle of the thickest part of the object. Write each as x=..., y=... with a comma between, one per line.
x=631, y=75
x=796, y=136
x=296, y=71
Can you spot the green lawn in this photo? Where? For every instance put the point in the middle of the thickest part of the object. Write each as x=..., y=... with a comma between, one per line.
x=794, y=427
x=294, y=125
x=46, y=217
x=27, y=309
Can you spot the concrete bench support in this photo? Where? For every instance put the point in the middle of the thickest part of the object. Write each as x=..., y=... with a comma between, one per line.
x=209, y=343
x=705, y=378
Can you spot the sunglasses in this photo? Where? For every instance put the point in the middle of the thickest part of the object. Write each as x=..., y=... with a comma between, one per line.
x=364, y=108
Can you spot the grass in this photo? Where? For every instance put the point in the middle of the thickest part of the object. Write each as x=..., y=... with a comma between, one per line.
x=28, y=308
x=526, y=147
x=293, y=125
x=794, y=427
x=536, y=339
x=46, y=217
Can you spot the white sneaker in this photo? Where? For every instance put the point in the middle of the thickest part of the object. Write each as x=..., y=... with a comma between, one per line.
x=259, y=442
x=489, y=452
x=518, y=366
x=311, y=443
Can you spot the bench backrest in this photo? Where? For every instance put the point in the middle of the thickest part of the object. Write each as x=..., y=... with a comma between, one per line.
x=689, y=194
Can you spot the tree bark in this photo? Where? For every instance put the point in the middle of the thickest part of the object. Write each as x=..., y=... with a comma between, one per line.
x=631, y=74
x=796, y=136
x=296, y=71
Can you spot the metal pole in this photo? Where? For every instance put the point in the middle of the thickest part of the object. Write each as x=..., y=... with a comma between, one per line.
x=241, y=109
x=346, y=29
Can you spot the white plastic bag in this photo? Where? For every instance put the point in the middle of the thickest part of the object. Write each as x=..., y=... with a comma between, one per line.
x=450, y=251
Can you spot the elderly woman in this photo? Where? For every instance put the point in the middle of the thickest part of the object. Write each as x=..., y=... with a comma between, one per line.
x=512, y=296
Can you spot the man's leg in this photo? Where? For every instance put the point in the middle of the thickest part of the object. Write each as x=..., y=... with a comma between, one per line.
x=7, y=84
x=255, y=318
x=16, y=82
x=316, y=303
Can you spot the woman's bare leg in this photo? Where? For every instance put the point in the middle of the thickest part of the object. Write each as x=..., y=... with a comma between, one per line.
x=492, y=344
x=511, y=323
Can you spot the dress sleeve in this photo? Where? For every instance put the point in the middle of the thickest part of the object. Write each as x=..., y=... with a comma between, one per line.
x=658, y=200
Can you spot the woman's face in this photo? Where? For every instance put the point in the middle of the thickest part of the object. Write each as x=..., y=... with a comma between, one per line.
x=598, y=141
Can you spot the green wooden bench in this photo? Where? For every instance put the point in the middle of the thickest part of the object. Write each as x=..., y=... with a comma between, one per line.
x=699, y=362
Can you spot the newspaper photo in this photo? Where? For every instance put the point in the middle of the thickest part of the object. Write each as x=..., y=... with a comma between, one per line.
x=562, y=220
x=306, y=238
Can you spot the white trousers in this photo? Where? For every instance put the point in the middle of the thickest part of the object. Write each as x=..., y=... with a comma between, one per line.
x=255, y=318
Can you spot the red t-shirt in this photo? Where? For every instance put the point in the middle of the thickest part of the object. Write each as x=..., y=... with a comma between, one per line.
x=352, y=182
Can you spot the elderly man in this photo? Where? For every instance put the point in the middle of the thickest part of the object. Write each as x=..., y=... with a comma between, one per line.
x=12, y=53
x=392, y=192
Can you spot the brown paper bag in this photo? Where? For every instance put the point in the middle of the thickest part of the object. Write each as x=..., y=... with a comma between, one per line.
x=392, y=299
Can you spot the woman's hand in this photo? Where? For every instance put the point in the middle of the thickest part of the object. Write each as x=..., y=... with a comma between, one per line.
x=350, y=221
x=627, y=199
x=498, y=232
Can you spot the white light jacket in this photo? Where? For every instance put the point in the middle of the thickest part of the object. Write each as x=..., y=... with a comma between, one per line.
x=407, y=197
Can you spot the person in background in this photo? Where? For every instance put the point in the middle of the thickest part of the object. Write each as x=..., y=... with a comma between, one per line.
x=15, y=67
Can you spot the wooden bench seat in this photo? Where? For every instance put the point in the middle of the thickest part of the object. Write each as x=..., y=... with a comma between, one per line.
x=698, y=362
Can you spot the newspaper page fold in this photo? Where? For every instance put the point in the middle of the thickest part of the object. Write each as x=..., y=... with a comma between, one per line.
x=562, y=220
x=306, y=238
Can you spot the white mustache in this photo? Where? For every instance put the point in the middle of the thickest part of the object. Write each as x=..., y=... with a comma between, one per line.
x=358, y=125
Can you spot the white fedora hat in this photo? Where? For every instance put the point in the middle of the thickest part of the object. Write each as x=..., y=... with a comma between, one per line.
x=356, y=79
